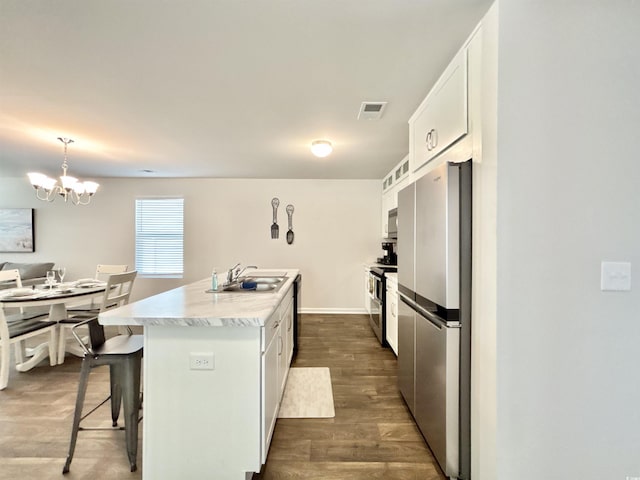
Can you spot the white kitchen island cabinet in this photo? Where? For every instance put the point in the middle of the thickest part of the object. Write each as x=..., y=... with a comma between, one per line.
x=214, y=373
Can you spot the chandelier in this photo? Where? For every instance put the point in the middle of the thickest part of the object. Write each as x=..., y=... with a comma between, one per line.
x=69, y=188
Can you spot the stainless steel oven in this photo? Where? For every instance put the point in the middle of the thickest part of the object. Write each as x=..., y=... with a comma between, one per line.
x=377, y=300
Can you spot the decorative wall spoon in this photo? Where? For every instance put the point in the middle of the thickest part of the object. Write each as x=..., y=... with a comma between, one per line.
x=290, y=231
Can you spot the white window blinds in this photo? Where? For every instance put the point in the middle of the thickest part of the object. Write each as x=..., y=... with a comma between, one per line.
x=160, y=237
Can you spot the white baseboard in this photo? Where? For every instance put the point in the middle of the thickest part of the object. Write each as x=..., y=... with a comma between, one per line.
x=335, y=311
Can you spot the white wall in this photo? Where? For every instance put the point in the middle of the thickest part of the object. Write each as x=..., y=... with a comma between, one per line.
x=483, y=301
x=336, y=225
x=568, y=396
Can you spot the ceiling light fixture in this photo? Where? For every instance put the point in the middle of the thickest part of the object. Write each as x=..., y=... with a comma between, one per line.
x=70, y=188
x=321, y=148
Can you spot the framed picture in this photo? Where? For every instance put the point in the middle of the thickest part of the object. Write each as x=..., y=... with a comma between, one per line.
x=16, y=230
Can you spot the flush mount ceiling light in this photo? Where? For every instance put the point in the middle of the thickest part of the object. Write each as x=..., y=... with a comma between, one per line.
x=70, y=188
x=321, y=148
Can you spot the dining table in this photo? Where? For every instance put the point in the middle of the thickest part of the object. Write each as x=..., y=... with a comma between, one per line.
x=57, y=299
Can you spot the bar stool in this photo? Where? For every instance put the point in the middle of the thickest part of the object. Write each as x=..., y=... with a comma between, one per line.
x=123, y=354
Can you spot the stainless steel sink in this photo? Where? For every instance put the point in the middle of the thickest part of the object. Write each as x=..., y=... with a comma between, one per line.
x=264, y=280
x=264, y=284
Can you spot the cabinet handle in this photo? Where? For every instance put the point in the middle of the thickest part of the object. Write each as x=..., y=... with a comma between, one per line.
x=276, y=325
x=280, y=346
x=434, y=137
x=428, y=139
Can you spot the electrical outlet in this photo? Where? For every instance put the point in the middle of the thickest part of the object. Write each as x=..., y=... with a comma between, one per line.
x=201, y=361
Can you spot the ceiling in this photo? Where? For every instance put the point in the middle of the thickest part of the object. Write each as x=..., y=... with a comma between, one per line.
x=213, y=88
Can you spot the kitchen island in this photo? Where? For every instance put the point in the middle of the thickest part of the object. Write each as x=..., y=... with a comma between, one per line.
x=215, y=367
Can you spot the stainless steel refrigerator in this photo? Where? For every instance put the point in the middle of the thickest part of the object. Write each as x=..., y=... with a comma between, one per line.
x=434, y=317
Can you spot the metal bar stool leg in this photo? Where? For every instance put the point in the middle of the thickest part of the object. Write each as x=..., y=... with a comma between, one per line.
x=131, y=400
x=77, y=416
x=115, y=380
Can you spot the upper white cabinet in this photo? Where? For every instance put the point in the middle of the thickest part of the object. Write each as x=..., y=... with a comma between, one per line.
x=441, y=119
x=393, y=182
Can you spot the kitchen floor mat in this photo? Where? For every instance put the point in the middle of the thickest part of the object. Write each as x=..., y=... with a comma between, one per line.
x=308, y=394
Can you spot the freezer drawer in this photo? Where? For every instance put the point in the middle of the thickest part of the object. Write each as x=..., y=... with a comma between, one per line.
x=437, y=389
x=406, y=351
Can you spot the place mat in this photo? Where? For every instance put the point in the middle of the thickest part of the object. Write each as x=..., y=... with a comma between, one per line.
x=308, y=394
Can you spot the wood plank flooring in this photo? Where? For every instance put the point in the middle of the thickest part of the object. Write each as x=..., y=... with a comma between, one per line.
x=36, y=413
x=371, y=437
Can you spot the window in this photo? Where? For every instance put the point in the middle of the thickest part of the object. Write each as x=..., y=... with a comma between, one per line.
x=159, y=237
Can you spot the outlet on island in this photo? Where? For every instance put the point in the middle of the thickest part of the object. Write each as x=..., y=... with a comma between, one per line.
x=201, y=361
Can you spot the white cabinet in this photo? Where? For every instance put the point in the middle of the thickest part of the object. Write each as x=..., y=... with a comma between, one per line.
x=441, y=119
x=388, y=198
x=367, y=291
x=286, y=342
x=392, y=313
x=391, y=185
x=271, y=388
x=276, y=359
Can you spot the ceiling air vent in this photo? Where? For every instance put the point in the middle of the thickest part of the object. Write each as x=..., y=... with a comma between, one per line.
x=371, y=110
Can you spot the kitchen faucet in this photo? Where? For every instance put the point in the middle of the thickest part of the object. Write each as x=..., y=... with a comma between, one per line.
x=235, y=272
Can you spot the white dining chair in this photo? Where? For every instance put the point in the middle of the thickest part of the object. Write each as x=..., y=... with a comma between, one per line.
x=11, y=279
x=119, y=284
x=15, y=328
x=102, y=273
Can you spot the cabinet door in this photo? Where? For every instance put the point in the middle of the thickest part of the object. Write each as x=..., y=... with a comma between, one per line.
x=392, y=318
x=367, y=297
x=285, y=347
x=271, y=387
x=288, y=321
x=442, y=119
x=388, y=200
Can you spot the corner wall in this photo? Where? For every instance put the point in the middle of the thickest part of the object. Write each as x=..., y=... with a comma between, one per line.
x=336, y=225
x=568, y=174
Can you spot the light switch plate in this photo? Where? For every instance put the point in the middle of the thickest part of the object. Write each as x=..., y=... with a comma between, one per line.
x=615, y=276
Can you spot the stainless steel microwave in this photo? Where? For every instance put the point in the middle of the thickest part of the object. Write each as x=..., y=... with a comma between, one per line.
x=392, y=223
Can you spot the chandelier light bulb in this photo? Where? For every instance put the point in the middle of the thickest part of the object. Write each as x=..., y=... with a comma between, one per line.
x=321, y=148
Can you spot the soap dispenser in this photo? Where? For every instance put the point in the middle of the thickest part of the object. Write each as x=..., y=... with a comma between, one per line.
x=214, y=280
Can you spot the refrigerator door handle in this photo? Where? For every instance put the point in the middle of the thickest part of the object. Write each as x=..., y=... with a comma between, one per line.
x=433, y=319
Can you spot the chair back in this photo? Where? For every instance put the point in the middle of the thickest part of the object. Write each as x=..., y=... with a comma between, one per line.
x=11, y=276
x=102, y=271
x=96, y=334
x=118, y=290
x=116, y=294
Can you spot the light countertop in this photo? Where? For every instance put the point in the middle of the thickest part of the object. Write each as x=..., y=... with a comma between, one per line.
x=192, y=306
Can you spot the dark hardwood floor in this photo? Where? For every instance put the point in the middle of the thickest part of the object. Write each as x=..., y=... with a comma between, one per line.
x=371, y=437
x=36, y=413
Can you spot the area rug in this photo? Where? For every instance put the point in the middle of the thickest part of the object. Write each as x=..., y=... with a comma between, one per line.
x=308, y=394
